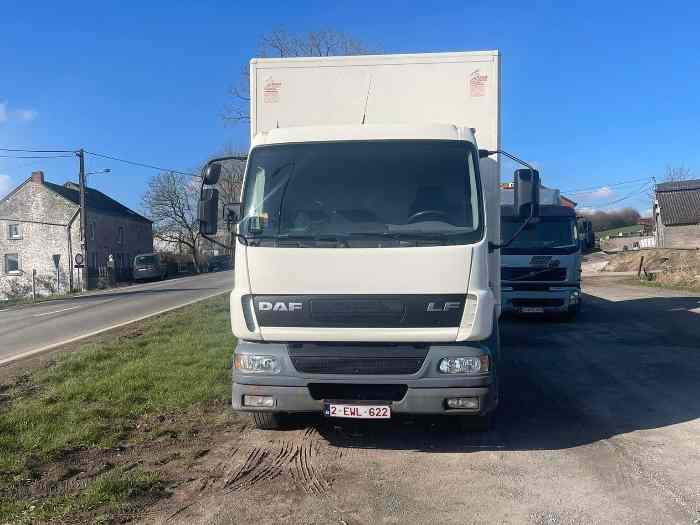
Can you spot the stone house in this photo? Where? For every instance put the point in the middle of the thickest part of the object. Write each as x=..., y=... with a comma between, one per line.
x=677, y=214
x=40, y=231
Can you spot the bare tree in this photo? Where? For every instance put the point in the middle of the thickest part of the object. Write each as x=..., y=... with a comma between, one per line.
x=171, y=203
x=279, y=44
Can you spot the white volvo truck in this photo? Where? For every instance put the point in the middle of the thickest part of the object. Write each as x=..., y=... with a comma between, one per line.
x=367, y=268
x=541, y=269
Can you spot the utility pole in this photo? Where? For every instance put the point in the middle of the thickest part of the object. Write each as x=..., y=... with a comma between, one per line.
x=83, y=219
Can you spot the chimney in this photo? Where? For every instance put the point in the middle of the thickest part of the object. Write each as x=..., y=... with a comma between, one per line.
x=38, y=176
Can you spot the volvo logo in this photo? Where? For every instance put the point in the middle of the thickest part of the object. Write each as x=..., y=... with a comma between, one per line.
x=265, y=306
x=443, y=307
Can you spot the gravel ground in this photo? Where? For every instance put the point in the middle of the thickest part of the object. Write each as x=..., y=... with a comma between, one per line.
x=598, y=424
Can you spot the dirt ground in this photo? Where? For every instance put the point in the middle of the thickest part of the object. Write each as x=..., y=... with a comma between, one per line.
x=598, y=424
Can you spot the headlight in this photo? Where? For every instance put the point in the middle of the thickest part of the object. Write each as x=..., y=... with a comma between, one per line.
x=257, y=364
x=464, y=365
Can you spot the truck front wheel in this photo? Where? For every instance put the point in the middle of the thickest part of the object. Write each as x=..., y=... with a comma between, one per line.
x=267, y=420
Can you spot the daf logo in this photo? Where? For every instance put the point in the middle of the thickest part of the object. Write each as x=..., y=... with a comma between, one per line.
x=265, y=306
x=443, y=307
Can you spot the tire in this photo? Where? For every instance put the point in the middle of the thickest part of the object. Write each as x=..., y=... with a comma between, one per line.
x=481, y=423
x=267, y=420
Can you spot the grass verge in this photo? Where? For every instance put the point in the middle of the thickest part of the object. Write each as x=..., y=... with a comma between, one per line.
x=64, y=427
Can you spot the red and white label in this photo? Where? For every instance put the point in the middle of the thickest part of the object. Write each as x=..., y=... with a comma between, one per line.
x=271, y=90
x=478, y=83
x=359, y=411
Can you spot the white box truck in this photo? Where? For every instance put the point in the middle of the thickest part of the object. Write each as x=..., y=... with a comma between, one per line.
x=367, y=266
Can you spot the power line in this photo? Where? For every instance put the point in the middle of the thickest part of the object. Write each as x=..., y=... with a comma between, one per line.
x=642, y=189
x=15, y=150
x=35, y=156
x=594, y=188
x=140, y=164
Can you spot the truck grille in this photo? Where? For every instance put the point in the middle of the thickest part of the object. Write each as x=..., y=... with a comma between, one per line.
x=357, y=359
x=361, y=366
x=523, y=274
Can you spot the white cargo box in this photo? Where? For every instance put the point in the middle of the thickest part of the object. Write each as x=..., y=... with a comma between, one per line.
x=547, y=196
x=447, y=88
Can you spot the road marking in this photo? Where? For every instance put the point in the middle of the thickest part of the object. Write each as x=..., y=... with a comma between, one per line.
x=106, y=329
x=57, y=311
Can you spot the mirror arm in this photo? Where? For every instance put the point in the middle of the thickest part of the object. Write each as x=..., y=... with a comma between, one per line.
x=487, y=153
x=497, y=246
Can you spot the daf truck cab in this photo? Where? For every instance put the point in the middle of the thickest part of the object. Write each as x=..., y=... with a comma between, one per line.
x=541, y=269
x=367, y=264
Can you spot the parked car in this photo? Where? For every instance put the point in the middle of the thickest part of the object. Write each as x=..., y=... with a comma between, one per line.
x=149, y=266
x=220, y=263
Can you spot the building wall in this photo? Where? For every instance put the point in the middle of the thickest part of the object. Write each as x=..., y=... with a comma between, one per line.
x=43, y=216
x=138, y=238
x=681, y=236
x=33, y=207
x=631, y=242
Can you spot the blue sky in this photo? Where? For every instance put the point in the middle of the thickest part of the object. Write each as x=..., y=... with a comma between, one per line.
x=595, y=93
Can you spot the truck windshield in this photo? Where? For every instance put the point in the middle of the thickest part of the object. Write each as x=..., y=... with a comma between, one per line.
x=555, y=233
x=362, y=193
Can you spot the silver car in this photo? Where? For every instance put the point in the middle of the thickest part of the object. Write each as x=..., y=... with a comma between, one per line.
x=149, y=266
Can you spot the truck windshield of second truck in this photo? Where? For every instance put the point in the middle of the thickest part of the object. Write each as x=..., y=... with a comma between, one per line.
x=362, y=194
x=545, y=233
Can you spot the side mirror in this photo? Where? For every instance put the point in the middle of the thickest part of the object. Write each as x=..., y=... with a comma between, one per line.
x=527, y=193
x=209, y=211
x=232, y=214
x=212, y=172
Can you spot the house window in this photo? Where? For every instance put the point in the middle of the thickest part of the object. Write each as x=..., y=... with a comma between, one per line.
x=13, y=231
x=93, y=259
x=91, y=229
x=12, y=263
x=120, y=235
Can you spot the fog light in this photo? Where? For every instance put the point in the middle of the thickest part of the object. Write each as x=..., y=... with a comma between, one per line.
x=574, y=297
x=259, y=401
x=471, y=403
x=257, y=364
x=464, y=365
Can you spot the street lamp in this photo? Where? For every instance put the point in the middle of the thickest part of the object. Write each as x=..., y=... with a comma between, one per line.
x=106, y=170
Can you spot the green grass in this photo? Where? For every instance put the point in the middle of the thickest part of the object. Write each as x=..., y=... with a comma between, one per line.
x=107, y=493
x=94, y=396
x=615, y=231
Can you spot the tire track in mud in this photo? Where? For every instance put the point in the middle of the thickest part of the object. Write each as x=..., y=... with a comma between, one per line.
x=303, y=459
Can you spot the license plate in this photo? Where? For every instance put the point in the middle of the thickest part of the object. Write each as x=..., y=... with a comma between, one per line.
x=532, y=310
x=357, y=411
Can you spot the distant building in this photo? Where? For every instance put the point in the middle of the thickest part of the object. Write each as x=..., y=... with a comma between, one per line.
x=40, y=230
x=677, y=214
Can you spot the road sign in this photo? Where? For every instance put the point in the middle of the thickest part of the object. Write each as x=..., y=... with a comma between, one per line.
x=79, y=260
x=56, y=260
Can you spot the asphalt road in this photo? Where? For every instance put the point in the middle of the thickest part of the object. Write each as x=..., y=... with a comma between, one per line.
x=598, y=424
x=39, y=327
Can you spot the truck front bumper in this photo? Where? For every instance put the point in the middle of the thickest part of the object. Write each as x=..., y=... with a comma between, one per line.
x=426, y=391
x=555, y=300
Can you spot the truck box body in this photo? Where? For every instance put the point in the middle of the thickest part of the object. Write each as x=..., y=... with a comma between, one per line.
x=338, y=314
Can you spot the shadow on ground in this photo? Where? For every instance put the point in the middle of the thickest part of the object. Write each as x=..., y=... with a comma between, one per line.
x=620, y=367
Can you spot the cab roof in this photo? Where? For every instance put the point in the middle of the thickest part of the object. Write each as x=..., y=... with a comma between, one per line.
x=362, y=132
x=546, y=210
